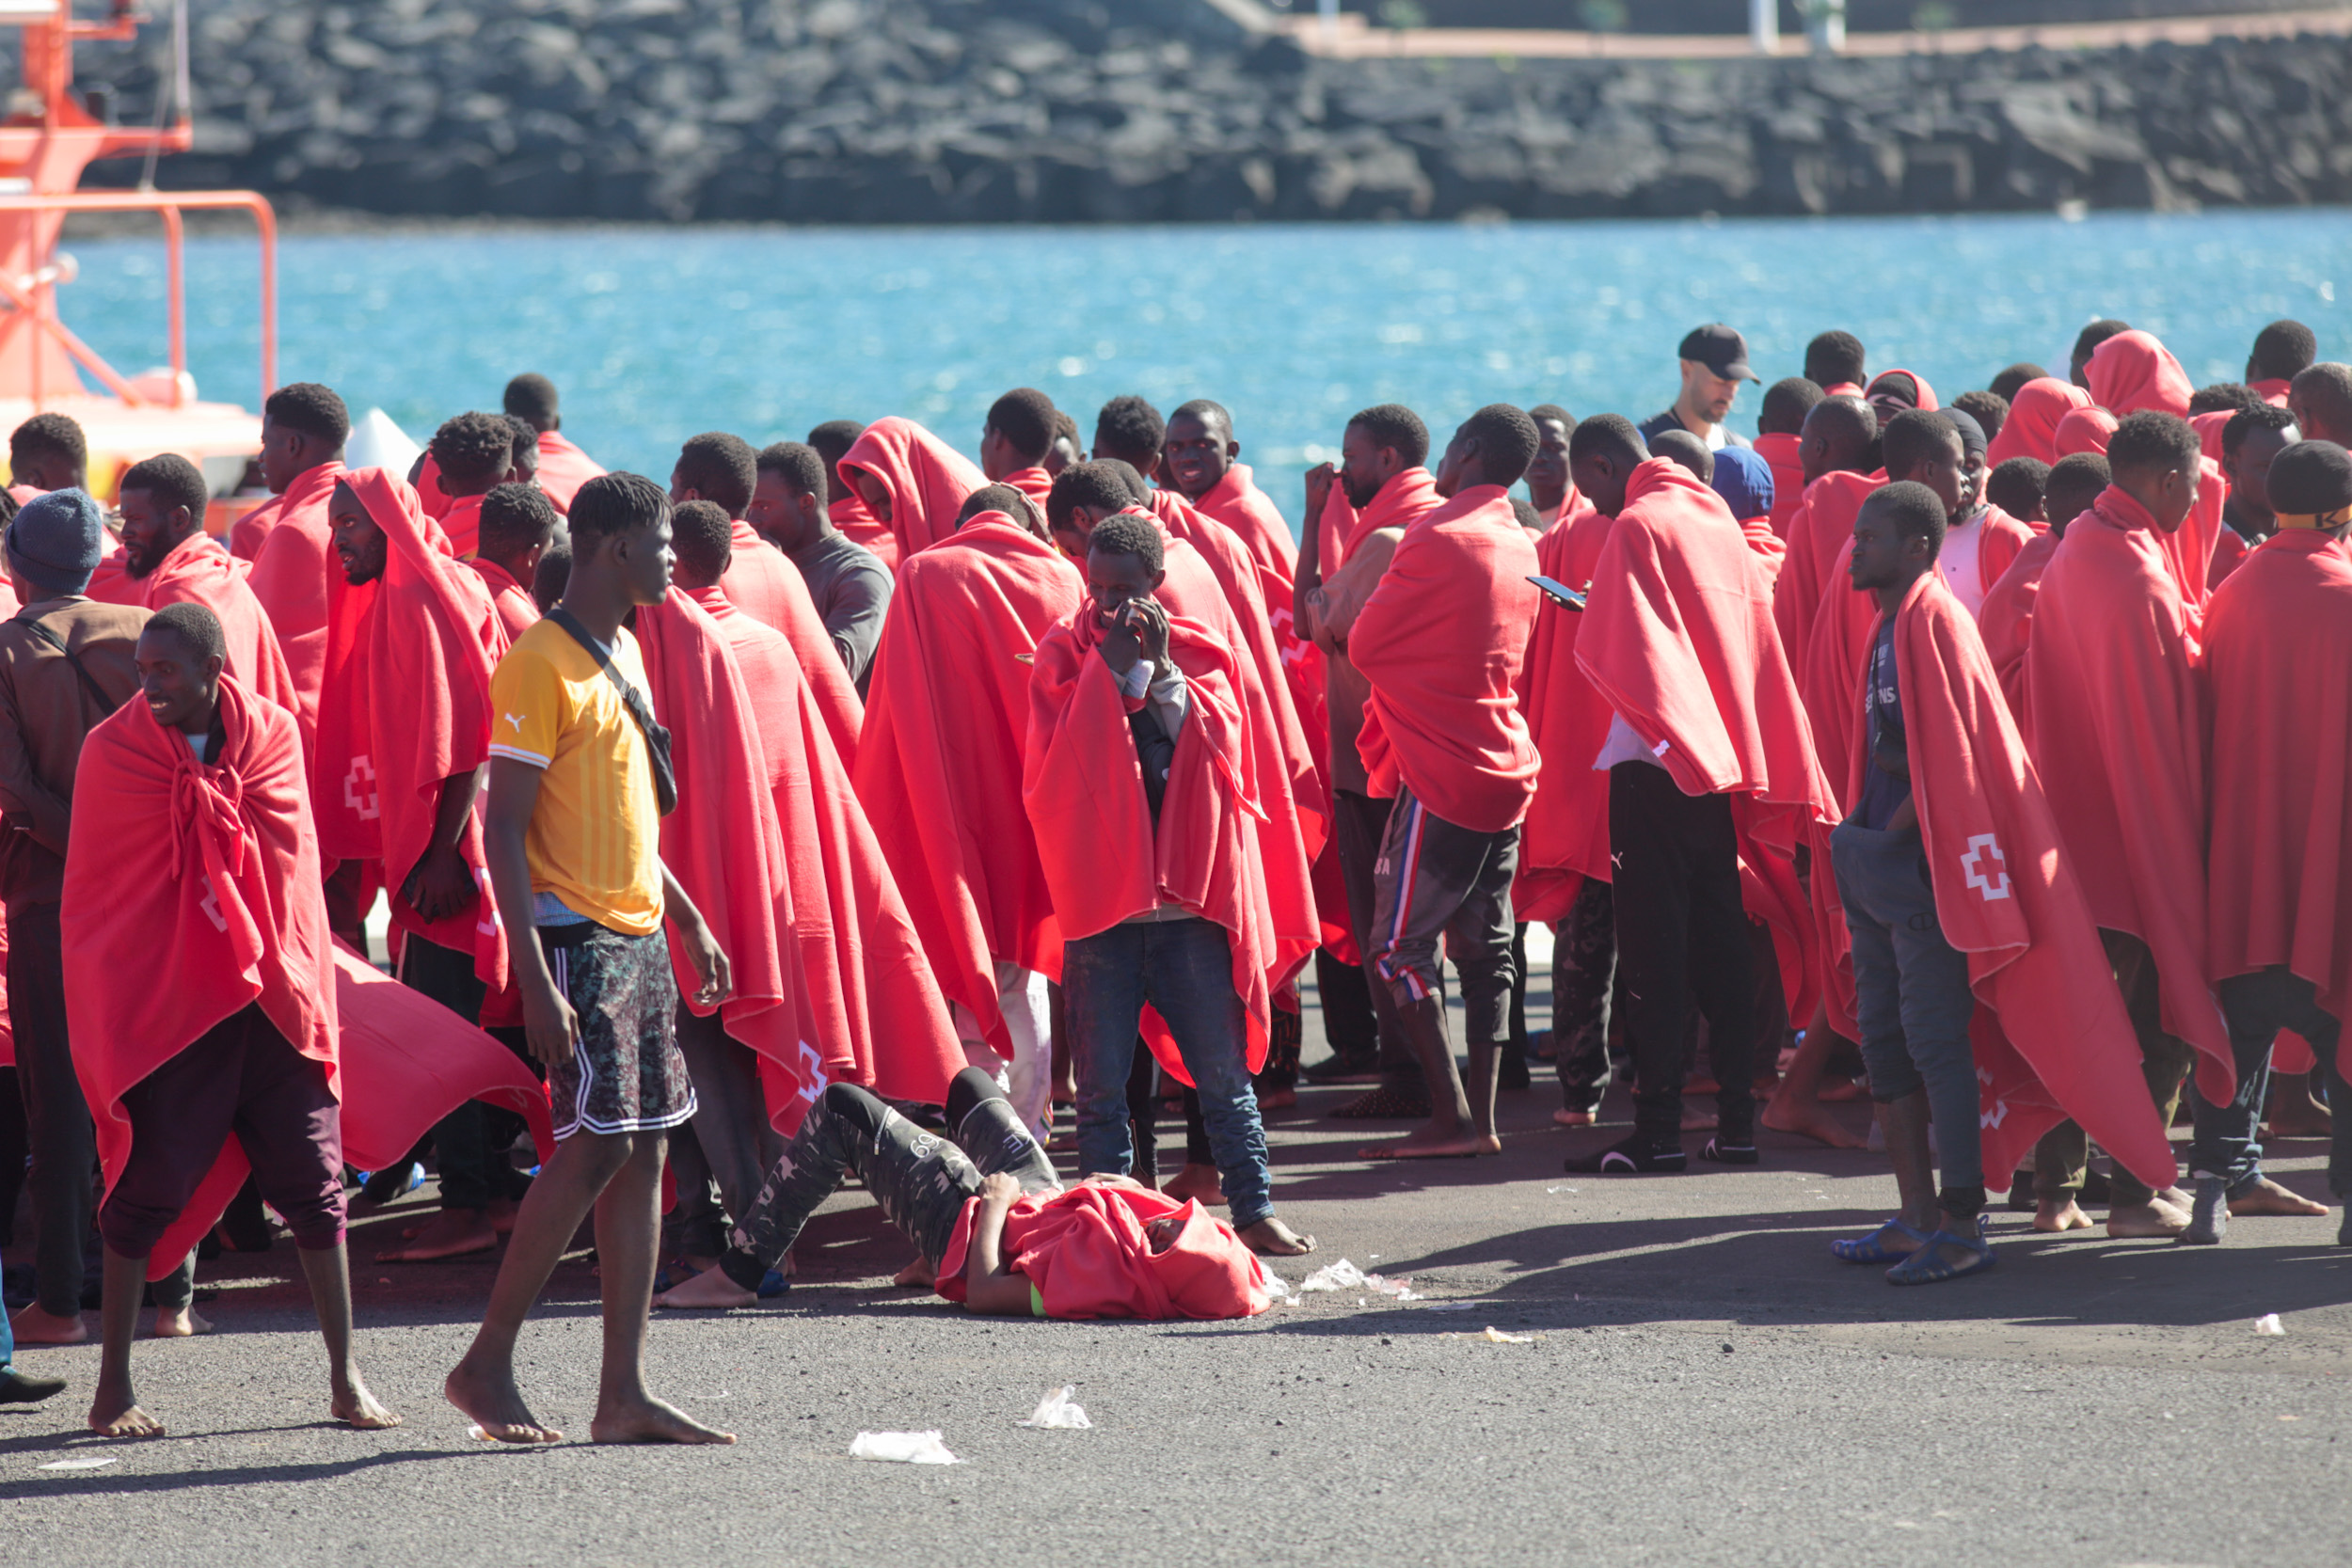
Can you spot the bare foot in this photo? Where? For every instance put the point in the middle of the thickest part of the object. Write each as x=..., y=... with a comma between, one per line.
x=1575, y=1118
x=1806, y=1118
x=355, y=1407
x=501, y=1214
x=649, y=1421
x=1836, y=1090
x=1697, y=1120
x=2293, y=1114
x=451, y=1233
x=2054, y=1218
x=1702, y=1084
x=495, y=1404
x=709, y=1290
x=1271, y=1238
x=917, y=1274
x=1198, y=1182
x=697, y=1265
x=1277, y=1100
x=2133, y=1221
x=117, y=1417
x=33, y=1326
x=2267, y=1197
x=179, y=1324
x=1422, y=1146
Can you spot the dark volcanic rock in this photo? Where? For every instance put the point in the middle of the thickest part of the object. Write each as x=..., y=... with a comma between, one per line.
x=1074, y=111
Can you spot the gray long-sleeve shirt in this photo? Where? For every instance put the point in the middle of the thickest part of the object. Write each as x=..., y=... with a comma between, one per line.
x=851, y=589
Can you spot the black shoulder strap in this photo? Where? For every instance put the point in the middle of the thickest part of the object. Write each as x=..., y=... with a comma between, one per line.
x=35, y=624
x=633, y=700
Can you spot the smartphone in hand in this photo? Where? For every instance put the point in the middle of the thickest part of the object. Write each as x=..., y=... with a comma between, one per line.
x=1559, y=593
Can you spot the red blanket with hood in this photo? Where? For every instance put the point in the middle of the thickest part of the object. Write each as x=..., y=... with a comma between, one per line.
x=2132, y=371
x=938, y=766
x=2119, y=732
x=2050, y=1035
x=859, y=528
x=926, y=479
x=1678, y=639
x=2031, y=428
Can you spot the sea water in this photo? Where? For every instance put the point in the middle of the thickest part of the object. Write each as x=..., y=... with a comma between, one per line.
x=654, y=334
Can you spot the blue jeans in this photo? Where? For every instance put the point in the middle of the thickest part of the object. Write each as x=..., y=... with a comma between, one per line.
x=1912, y=995
x=1184, y=970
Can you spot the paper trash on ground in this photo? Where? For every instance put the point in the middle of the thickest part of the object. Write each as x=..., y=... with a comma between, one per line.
x=2269, y=1327
x=1493, y=1336
x=902, y=1447
x=1059, y=1409
x=1345, y=1276
x=91, y=1463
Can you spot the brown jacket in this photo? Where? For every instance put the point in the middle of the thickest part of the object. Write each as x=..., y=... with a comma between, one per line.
x=45, y=710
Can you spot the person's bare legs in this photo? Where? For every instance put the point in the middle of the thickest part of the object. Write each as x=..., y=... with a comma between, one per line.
x=32, y=1325
x=113, y=1409
x=450, y=1233
x=328, y=1271
x=1796, y=1105
x=180, y=1323
x=628, y=1237
x=1450, y=1131
x=483, y=1384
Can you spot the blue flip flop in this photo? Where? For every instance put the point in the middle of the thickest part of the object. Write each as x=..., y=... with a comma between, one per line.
x=1866, y=1249
x=1924, y=1267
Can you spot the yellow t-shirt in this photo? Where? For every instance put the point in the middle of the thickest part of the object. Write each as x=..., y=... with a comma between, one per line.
x=596, y=833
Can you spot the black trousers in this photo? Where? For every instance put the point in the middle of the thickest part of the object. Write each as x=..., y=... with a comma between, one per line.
x=472, y=1140
x=1359, y=823
x=1682, y=935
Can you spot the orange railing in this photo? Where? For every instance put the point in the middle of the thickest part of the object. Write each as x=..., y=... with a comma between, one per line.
x=36, y=296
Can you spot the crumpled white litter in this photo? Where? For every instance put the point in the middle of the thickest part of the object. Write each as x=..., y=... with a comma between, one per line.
x=1059, y=1409
x=2269, y=1327
x=902, y=1447
x=1345, y=1276
x=1493, y=1336
x=94, y=1462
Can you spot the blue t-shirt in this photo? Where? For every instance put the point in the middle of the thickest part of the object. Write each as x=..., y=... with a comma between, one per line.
x=1882, y=793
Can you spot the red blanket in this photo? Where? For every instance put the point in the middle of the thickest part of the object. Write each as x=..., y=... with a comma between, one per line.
x=1083, y=788
x=1236, y=501
x=1925, y=393
x=462, y=526
x=871, y=1005
x=1442, y=640
x=564, y=469
x=2050, y=1035
x=2006, y=622
x=1404, y=498
x=419, y=671
x=2083, y=429
x=769, y=589
x=1036, y=483
x=1565, y=837
x=516, y=608
x=1087, y=1255
x=2119, y=732
x=938, y=761
x=2132, y=371
x=925, y=478
x=203, y=883
x=431, y=498
x=2272, y=392
x=1823, y=526
x=1781, y=453
x=858, y=526
x=2279, y=666
x=297, y=581
x=198, y=571
x=725, y=848
x=1677, y=638
x=2031, y=428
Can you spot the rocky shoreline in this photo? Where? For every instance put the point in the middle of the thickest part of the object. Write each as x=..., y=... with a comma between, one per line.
x=1067, y=111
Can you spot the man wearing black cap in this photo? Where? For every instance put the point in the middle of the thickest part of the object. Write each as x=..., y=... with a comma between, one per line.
x=66, y=662
x=1714, y=362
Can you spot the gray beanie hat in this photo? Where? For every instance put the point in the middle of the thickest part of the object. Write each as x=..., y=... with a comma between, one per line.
x=57, y=540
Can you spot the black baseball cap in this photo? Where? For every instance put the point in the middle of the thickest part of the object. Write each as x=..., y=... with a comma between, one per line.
x=1720, y=350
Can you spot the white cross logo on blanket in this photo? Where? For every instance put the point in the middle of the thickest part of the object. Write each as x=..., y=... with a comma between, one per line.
x=360, y=790
x=210, y=906
x=812, y=1073
x=1974, y=864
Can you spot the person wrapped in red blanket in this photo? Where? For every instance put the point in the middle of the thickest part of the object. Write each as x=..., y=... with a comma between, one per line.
x=167, y=559
x=1963, y=918
x=910, y=481
x=1142, y=785
x=192, y=864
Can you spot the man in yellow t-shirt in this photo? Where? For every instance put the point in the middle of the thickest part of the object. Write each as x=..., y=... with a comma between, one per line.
x=572, y=839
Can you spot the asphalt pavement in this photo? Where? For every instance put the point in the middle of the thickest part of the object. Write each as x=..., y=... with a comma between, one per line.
x=1691, y=1380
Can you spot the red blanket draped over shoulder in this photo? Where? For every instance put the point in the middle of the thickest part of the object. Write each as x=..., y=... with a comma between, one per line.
x=1442, y=640
x=1782, y=453
x=725, y=848
x=295, y=577
x=198, y=571
x=1083, y=788
x=1565, y=837
x=939, y=762
x=517, y=611
x=2119, y=732
x=2031, y=428
x=925, y=478
x=1406, y=497
x=190, y=890
x=1678, y=639
x=1822, y=527
x=421, y=673
x=564, y=469
x=2050, y=1035
x=2279, y=666
x=1236, y=501
x=2006, y=622
x=2132, y=371
x=872, y=1006
x=769, y=589
x=859, y=528
x=2083, y=429
x=1036, y=483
